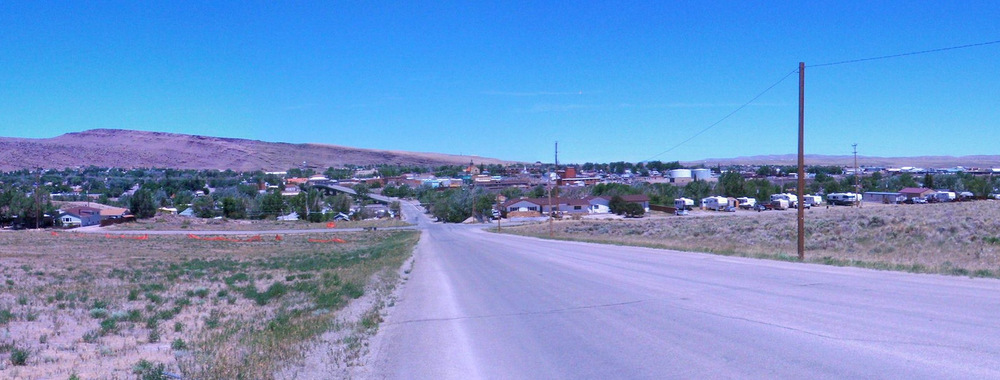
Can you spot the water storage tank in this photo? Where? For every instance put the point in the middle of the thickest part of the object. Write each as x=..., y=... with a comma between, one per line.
x=702, y=174
x=680, y=173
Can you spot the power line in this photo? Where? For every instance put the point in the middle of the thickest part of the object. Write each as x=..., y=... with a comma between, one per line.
x=905, y=54
x=738, y=109
x=744, y=105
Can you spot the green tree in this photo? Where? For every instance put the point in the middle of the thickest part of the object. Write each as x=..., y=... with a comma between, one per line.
x=905, y=180
x=617, y=205
x=272, y=205
x=697, y=189
x=396, y=209
x=340, y=203
x=362, y=191
x=538, y=191
x=633, y=210
x=928, y=181
x=761, y=189
x=483, y=205
x=766, y=171
x=979, y=186
x=613, y=189
x=142, y=205
x=732, y=184
x=234, y=208
x=204, y=207
x=512, y=192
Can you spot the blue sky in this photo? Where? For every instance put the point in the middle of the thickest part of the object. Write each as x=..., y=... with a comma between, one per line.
x=611, y=81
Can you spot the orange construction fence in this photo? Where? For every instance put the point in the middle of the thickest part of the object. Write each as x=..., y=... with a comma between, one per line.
x=223, y=238
x=334, y=240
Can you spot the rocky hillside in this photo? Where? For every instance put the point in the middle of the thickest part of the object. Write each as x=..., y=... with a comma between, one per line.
x=132, y=149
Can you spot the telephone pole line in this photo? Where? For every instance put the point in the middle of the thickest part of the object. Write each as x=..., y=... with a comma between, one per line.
x=555, y=172
x=802, y=170
x=857, y=176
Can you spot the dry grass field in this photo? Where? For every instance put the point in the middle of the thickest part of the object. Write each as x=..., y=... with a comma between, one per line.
x=176, y=222
x=92, y=307
x=949, y=238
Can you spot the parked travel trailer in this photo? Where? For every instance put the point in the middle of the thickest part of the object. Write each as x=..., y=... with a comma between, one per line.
x=812, y=200
x=944, y=196
x=747, y=202
x=792, y=199
x=779, y=204
x=683, y=203
x=844, y=199
x=714, y=203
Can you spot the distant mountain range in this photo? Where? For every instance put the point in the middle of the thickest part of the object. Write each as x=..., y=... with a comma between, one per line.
x=138, y=149
x=848, y=160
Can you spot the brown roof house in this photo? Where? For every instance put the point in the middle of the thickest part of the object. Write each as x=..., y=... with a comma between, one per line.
x=916, y=192
x=114, y=213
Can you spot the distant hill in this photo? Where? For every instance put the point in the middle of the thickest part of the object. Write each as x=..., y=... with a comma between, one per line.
x=848, y=160
x=138, y=149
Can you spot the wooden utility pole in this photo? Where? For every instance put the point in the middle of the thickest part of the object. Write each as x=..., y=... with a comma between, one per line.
x=499, y=212
x=857, y=178
x=555, y=171
x=802, y=162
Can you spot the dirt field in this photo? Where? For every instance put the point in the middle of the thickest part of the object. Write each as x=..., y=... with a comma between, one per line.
x=114, y=308
x=951, y=238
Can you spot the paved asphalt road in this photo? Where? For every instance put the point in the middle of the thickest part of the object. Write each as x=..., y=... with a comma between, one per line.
x=483, y=305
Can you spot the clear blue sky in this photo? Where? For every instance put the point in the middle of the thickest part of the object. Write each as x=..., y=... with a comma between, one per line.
x=611, y=81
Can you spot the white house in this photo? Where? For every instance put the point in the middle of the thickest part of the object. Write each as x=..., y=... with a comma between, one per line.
x=599, y=205
x=80, y=217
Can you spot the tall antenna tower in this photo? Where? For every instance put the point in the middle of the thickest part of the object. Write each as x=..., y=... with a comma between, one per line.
x=557, y=155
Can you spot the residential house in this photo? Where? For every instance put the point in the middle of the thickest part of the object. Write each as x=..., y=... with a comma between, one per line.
x=573, y=206
x=916, y=192
x=114, y=213
x=641, y=199
x=80, y=217
x=523, y=207
x=883, y=197
x=599, y=205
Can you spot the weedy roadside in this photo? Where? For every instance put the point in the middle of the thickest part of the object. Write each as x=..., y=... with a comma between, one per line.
x=946, y=238
x=97, y=307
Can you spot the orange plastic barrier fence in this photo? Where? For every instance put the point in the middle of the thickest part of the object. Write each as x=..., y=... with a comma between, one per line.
x=76, y=235
x=223, y=238
x=130, y=237
x=335, y=240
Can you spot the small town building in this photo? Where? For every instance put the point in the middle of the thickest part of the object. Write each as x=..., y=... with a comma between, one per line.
x=916, y=192
x=114, y=213
x=80, y=217
x=883, y=197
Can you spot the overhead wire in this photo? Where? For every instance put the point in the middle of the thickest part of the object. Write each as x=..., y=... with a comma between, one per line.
x=744, y=105
x=904, y=54
x=738, y=109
